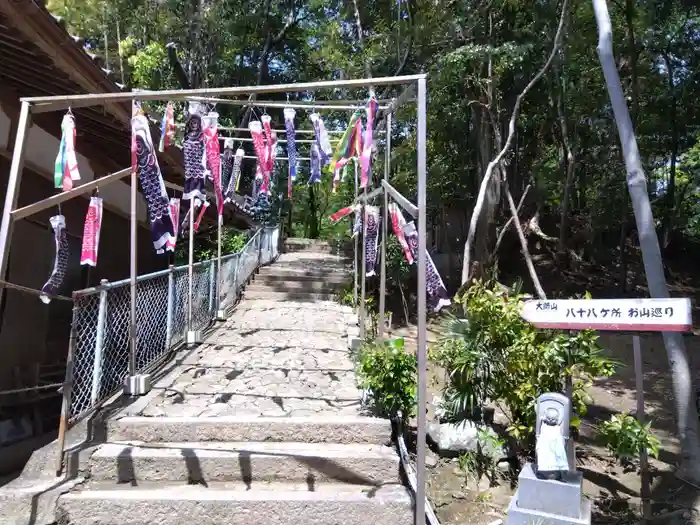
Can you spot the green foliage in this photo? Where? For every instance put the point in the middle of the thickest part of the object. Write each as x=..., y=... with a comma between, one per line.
x=232, y=241
x=389, y=373
x=483, y=461
x=147, y=64
x=625, y=437
x=491, y=353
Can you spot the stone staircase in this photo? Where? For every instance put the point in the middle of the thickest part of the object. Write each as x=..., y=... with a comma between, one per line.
x=261, y=424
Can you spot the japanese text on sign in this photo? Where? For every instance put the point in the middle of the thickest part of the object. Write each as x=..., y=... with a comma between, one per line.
x=672, y=315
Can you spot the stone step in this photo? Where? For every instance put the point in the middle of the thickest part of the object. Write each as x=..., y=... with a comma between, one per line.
x=289, y=296
x=341, y=429
x=322, y=286
x=327, y=306
x=227, y=504
x=322, y=341
x=359, y=464
x=275, y=273
x=235, y=360
x=292, y=318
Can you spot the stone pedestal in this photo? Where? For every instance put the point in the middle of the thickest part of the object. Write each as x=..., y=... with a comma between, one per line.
x=138, y=385
x=549, y=501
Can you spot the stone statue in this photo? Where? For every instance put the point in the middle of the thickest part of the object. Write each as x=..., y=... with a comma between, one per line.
x=552, y=430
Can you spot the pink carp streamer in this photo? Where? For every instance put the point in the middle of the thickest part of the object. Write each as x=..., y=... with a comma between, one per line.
x=205, y=205
x=66, y=165
x=343, y=212
x=256, y=133
x=213, y=154
x=167, y=128
x=174, y=209
x=397, y=224
x=91, y=232
x=366, y=156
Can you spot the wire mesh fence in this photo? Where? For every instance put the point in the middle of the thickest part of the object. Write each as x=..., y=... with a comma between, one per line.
x=101, y=317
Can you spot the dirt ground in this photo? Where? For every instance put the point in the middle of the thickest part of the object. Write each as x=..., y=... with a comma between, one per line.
x=614, y=490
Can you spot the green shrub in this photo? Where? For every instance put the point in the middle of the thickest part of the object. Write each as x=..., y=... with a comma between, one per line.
x=625, y=437
x=482, y=461
x=493, y=354
x=389, y=373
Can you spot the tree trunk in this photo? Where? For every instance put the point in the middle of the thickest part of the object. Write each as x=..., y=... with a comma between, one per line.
x=570, y=163
x=670, y=196
x=313, y=214
x=687, y=419
x=633, y=55
x=497, y=161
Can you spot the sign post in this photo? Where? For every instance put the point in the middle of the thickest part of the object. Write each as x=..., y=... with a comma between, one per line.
x=619, y=315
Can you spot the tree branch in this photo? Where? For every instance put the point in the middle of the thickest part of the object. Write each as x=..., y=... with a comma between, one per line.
x=502, y=233
x=523, y=245
x=506, y=148
x=176, y=66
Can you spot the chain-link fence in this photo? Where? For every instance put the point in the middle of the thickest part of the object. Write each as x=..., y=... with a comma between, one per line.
x=101, y=318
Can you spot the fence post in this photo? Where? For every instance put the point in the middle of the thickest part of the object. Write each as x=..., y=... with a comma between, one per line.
x=171, y=307
x=99, y=343
x=67, y=391
x=212, y=286
x=259, y=243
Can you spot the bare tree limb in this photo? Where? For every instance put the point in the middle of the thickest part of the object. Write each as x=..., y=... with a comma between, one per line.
x=523, y=246
x=506, y=148
x=503, y=231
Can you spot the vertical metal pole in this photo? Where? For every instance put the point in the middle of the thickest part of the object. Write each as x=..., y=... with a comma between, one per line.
x=67, y=392
x=212, y=288
x=363, y=286
x=132, y=314
x=422, y=354
x=99, y=343
x=385, y=229
x=643, y=466
x=190, y=271
x=13, y=185
x=171, y=307
x=217, y=304
x=354, y=259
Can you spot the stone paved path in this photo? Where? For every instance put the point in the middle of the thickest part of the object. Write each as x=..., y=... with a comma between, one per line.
x=272, y=358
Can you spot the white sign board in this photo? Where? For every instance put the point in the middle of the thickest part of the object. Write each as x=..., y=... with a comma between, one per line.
x=632, y=315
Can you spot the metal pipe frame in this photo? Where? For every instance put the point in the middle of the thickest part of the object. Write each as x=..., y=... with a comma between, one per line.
x=385, y=230
x=400, y=199
x=280, y=105
x=280, y=141
x=297, y=104
x=415, y=84
x=54, y=103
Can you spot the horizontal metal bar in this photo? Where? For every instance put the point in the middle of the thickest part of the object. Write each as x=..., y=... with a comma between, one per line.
x=31, y=389
x=400, y=199
x=173, y=186
x=54, y=200
x=281, y=141
x=296, y=104
x=276, y=158
x=371, y=195
x=58, y=102
x=280, y=105
x=278, y=131
x=32, y=291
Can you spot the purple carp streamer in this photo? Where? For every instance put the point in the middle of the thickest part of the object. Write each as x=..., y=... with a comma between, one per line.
x=195, y=156
x=152, y=185
x=60, y=262
x=315, y=165
x=324, y=143
x=435, y=288
x=289, y=115
x=371, y=239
